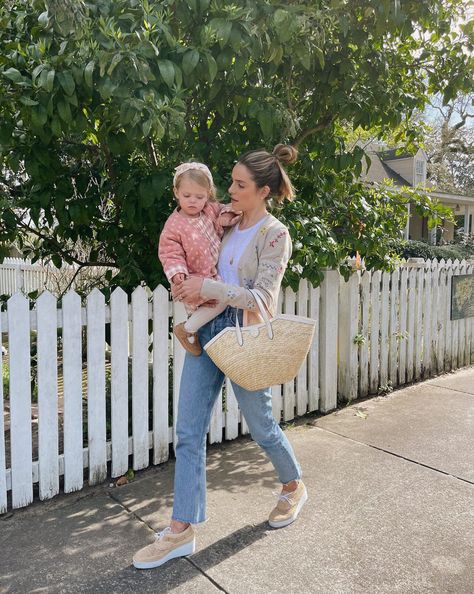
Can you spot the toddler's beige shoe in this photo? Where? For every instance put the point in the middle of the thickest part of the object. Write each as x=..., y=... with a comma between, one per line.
x=166, y=546
x=288, y=506
x=193, y=346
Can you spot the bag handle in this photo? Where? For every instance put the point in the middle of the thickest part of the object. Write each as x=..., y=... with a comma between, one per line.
x=263, y=312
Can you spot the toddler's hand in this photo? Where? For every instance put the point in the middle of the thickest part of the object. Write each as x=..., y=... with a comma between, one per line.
x=178, y=278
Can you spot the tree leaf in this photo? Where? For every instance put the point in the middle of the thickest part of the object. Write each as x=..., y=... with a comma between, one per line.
x=212, y=65
x=190, y=60
x=56, y=126
x=37, y=71
x=319, y=54
x=265, y=121
x=56, y=259
x=146, y=127
x=62, y=47
x=64, y=111
x=223, y=29
x=88, y=72
x=67, y=82
x=280, y=16
x=114, y=63
x=49, y=84
x=13, y=74
x=240, y=67
x=28, y=101
x=43, y=19
x=39, y=116
x=166, y=68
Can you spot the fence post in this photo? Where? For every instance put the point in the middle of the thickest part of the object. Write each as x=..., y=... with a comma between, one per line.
x=328, y=340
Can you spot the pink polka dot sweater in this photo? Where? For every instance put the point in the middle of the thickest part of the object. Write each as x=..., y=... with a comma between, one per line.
x=191, y=245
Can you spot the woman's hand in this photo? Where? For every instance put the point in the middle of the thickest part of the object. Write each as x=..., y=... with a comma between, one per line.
x=188, y=291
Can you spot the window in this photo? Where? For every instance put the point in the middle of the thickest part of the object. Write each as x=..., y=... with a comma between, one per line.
x=420, y=171
x=419, y=166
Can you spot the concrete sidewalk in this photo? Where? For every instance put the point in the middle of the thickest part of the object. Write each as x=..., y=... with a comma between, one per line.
x=390, y=510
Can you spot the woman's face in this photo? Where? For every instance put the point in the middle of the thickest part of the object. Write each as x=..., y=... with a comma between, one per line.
x=244, y=193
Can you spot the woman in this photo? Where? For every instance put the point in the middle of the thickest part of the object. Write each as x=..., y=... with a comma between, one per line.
x=254, y=254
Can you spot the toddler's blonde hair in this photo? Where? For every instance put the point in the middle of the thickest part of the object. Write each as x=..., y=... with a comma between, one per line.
x=199, y=173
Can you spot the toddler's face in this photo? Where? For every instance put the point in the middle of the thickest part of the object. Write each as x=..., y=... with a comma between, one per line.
x=191, y=197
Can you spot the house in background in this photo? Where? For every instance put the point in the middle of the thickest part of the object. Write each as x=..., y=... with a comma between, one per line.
x=409, y=170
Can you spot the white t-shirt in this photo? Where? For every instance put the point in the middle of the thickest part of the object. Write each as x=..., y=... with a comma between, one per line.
x=232, y=251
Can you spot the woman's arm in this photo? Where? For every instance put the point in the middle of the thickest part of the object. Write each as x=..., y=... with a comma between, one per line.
x=271, y=268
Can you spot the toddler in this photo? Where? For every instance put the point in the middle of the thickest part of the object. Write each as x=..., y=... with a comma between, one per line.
x=190, y=240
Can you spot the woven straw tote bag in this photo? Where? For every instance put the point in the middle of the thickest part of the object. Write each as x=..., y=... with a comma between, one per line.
x=262, y=355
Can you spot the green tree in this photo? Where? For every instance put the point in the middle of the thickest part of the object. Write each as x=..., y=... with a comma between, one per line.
x=99, y=101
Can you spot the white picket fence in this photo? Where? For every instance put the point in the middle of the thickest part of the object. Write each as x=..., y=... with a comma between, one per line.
x=383, y=329
x=17, y=274
x=21, y=275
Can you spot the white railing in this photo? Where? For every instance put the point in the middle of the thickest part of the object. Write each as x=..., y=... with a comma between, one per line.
x=100, y=403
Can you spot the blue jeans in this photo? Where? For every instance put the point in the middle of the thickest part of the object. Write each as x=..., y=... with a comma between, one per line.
x=201, y=382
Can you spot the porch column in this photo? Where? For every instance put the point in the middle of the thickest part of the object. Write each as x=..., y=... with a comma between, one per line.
x=466, y=219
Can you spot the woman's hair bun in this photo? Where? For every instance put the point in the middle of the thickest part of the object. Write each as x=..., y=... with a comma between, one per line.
x=285, y=153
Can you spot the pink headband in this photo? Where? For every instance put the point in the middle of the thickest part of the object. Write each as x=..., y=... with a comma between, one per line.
x=192, y=165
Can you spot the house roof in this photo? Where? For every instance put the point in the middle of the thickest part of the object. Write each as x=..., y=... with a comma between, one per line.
x=391, y=155
x=380, y=170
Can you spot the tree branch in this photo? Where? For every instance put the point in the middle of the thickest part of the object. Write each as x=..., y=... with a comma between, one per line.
x=151, y=148
x=324, y=123
x=58, y=249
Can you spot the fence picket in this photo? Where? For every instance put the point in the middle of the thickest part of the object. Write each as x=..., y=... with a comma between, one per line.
x=3, y=475
x=364, y=299
x=277, y=398
x=161, y=362
x=394, y=328
x=119, y=381
x=20, y=400
x=374, y=341
x=301, y=379
x=434, y=317
x=72, y=386
x=384, y=328
x=289, y=304
x=96, y=420
x=179, y=315
x=402, y=321
x=448, y=351
x=328, y=340
x=231, y=412
x=313, y=357
x=47, y=396
x=411, y=324
x=347, y=331
x=443, y=321
x=427, y=321
x=140, y=378
x=462, y=328
x=418, y=338
x=469, y=324
x=215, y=425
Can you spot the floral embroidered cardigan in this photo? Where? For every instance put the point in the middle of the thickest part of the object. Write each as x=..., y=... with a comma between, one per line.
x=261, y=267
